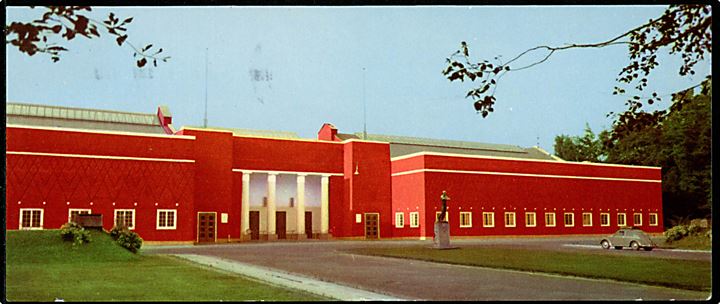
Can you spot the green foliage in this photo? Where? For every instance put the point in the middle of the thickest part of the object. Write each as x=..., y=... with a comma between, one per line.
x=576, y=148
x=126, y=238
x=71, y=231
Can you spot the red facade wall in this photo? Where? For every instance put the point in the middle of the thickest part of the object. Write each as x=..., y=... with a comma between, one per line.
x=408, y=193
x=370, y=190
x=287, y=155
x=96, y=182
x=478, y=193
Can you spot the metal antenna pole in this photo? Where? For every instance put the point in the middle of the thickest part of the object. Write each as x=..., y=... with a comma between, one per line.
x=206, y=88
x=364, y=108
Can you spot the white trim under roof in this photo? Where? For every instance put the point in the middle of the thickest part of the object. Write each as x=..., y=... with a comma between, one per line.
x=286, y=172
x=101, y=157
x=515, y=158
x=102, y=131
x=527, y=175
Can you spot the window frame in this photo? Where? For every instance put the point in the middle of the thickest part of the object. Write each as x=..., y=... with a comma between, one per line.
x=554, y=219
x=399, y=219
x=492, y=220
x=115, y=213
x=583, y=219
x=624, y=222
x=447, y=215
x=469, y=214
x=534, y=217
x=415, y=215
x=601, y=219
x=42, y=217
x=572, y=218
x=157, y=219
x=641, y=219
x=514, y=219
x=650, y=216
x=70, y=211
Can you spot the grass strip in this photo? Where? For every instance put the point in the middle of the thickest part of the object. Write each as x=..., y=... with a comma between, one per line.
x=674, y=273
x=41, y=267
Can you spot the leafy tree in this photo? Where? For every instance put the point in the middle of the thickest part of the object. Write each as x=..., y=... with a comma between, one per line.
x=682, y=29
x=576, y=148
x=681, y=145
x=68, y=22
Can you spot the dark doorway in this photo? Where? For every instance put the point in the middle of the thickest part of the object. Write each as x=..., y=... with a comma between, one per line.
x=280, y=219
x=254, y=225
x=206, y=227
x=308, y=224
x=372, y=230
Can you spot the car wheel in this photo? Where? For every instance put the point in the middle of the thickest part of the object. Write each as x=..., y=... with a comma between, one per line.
x=634, y=245
x=605, y=244
x=618, y=247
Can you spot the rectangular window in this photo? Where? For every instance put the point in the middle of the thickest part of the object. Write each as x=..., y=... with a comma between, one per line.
x=446, y=215
x=414, y=219
x=72, y=212
x=125, y=217
x=509, y=219
x=637, y=219
x=621, y=219
x=653, y=221
x=31, y=219
x=587, y=219
x=569, y=219
x=604, y=219
x=550, y=219
x=399, y=220
x=166, y=219
x=529, y=219
x=465, y=219
x=488, y=219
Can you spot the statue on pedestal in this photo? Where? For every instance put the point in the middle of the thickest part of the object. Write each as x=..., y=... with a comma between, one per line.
x=441, y=239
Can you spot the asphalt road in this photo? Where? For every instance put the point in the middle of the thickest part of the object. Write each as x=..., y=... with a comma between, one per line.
x=326, y=261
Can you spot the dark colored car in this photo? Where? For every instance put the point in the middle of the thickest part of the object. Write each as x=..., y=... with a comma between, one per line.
x=628, y=237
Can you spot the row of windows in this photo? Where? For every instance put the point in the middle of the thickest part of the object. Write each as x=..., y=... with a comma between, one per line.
x=488, y=219
x=166, y=219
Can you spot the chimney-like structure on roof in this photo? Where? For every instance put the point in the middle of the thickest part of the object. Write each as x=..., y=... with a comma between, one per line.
x=328, y=132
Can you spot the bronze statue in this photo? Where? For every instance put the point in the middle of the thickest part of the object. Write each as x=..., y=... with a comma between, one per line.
x=444, y=198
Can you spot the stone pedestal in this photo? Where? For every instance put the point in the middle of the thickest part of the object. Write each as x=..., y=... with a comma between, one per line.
x=441, y=239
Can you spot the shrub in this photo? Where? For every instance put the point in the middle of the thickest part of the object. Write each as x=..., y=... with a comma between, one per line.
x=71, y=231
x=676, y=233
x=693, y=229
x=126, y=238
x=708, y=234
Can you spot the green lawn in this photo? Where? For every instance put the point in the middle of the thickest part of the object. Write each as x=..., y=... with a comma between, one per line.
x=696, y=242
x=41, y=267
x=683, y=274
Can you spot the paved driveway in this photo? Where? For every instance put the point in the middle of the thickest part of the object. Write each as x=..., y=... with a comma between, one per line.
x=410, y=279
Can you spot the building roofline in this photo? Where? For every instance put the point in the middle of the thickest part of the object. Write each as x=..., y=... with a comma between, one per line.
x=100, y=131
x=75, y=108
x=517, y=159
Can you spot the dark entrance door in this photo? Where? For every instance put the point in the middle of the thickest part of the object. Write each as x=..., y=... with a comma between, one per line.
x=308, y=224
x=372, y=230
x=254, y=225
x=280, y=219
x=206, y=227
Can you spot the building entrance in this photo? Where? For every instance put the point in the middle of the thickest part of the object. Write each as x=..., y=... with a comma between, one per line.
x=206, y=227
x=372, y=229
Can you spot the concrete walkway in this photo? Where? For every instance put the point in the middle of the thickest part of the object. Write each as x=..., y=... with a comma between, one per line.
x=314, y=286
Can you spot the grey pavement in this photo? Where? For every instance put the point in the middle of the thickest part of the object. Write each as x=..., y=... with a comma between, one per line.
x=418, y=280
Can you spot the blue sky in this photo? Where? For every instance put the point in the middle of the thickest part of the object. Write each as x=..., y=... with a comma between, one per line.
x=316, y=56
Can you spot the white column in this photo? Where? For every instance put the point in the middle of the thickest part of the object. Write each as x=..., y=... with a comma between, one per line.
x=245, y=220
x=301, y=205
x=324, y=198
x=271, y=206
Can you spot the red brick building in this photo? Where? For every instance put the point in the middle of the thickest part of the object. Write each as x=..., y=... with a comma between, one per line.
x=224, y=185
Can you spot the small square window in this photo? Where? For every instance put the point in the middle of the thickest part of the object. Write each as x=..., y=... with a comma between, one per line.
x=414, y=219
x=637, y=219
x=488, y=219
x=465, y=219
x=587, y=219
x=399, y=220
x=530, y=219
x=31, y=219
x=653, y=220
x=569, y=219
x=550, y=219
x=509, y=219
